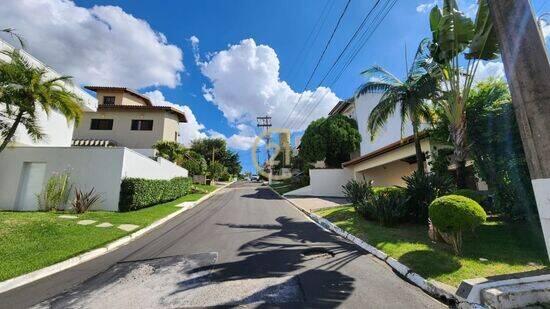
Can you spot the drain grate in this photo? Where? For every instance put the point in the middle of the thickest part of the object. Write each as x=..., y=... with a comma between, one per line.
x=315, y=252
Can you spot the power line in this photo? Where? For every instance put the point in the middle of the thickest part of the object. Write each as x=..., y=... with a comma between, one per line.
x=320, y=59
x=323, y=16
x=357, y=31
x=381, y=15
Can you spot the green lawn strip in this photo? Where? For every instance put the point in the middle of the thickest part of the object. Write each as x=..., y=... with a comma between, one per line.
x=33, y=240
x=509, y=248
x=284, y=187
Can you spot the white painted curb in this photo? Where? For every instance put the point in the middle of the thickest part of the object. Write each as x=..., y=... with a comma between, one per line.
x=16, y=282
x=403, y=270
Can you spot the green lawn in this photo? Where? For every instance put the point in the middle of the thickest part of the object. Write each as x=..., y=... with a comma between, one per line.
x=33, y=240
x=509, y=248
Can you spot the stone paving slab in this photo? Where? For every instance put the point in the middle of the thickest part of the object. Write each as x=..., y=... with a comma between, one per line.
x=128, y=227
x=104, y=224
x=312, y=203
x=86, y=222
x=67, y=217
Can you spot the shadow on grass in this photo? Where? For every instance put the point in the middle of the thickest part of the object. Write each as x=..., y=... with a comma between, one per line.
x=430, y=263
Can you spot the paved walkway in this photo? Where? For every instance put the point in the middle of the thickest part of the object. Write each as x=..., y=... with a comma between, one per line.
x=310, y=203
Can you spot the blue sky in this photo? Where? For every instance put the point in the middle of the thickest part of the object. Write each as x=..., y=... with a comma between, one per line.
x=267, y=31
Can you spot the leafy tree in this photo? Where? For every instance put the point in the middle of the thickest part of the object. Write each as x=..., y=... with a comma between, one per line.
x=194, y=163
x=216, y=170
x=457, y=39
x=497, y=149
x=215, y=149
x=24, y=89
x=332, y=139
x=169, y=150
x=408, y=97
x=212, y=149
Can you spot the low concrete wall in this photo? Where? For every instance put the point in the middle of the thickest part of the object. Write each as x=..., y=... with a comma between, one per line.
x=328, y=182
x=99, y=168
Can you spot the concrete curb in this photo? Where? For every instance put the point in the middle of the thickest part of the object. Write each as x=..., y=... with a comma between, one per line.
x=16, y=282
x=399, y=268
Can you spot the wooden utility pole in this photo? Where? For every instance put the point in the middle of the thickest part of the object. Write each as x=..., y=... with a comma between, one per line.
x=265, y=122
x=528, y=72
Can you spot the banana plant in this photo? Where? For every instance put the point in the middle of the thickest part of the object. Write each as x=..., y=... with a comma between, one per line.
x=458, y=46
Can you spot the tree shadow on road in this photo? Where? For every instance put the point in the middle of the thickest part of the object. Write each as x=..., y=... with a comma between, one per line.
x=263, y=194
x=286, y=253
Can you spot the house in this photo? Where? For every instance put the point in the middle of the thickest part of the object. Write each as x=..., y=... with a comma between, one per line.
x=26, y=165
x=127, y=118
x=384, y=160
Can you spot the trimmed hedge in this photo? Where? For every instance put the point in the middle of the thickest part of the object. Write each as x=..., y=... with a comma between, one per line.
x=137, y=193
x=477, y=196
x=455, y=213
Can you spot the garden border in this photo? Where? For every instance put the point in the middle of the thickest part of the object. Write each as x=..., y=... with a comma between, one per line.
x=31, y=277
x=398, y=267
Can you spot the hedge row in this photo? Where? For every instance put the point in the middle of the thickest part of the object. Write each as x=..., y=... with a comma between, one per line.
x=137, y=193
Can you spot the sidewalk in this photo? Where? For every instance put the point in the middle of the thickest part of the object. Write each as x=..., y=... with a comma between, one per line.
x=312, y=203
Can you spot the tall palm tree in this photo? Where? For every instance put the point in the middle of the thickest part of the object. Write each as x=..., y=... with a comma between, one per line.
x=24, y=88
x=458, y=46
x=408, y=96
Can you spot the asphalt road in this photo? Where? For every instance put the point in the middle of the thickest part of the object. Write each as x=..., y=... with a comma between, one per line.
x=243, y=247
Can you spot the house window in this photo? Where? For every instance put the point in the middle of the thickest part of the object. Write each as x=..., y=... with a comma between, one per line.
x=101, y=124
x=142, y=125
x=108, y=100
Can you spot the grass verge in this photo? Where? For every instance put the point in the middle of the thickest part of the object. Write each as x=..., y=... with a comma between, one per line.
x=507, y=248
x=33, y=240
x=283, y=187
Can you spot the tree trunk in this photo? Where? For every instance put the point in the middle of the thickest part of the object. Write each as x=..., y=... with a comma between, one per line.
x=11, y=131
x=418, y=149
x=458, y=137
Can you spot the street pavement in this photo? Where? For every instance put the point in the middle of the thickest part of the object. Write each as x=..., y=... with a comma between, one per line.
x=244, y=246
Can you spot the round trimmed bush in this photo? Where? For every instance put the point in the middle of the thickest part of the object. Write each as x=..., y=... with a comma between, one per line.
x=455, y=213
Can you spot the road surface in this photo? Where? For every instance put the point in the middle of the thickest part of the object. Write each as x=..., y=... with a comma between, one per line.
x=243, y=247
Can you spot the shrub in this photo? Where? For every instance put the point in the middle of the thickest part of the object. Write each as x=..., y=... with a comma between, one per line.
x=357, y=191
x=453, y=214
x=422, y=189
x=194, y=163
x=216, y=170
x=83, y=201
x=55, y=194
x=137, y=193
x=387, y=206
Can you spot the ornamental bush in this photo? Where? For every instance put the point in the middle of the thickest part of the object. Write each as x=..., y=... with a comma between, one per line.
x=387, y=205
x=422, y=189
x=452, y=214
x=357, y=192
x=137, y=193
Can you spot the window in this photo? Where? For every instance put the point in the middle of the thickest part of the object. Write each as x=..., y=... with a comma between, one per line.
x=101, y=124
x=142, y=125
x=108, y=100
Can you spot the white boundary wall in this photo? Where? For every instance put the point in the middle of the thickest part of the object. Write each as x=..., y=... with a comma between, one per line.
x=328, y=182
x=100, y=168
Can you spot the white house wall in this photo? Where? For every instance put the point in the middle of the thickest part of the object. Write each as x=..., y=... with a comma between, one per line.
x=99, y=168
x=328, y=182
x=390, y=133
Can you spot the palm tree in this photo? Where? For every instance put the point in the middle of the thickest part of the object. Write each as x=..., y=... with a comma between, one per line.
x=24, y=88
x=458, y=40
x=409, y=96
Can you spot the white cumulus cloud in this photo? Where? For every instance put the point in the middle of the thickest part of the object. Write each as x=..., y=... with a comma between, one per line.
x=101, y=45
x=188, y=131
x=488, y=69
x=425, y=7
x=245, y=83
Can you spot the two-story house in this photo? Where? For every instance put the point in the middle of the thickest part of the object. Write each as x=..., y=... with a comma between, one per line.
x=127, y=118
x=384, y=160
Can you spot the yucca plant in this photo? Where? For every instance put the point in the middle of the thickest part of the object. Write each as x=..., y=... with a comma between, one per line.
x=83, y=201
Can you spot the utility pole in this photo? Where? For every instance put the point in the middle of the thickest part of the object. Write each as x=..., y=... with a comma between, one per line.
x=528, y=71
x=265, y=122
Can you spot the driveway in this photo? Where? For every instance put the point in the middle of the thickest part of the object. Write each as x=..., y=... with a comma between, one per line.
x=244, y=246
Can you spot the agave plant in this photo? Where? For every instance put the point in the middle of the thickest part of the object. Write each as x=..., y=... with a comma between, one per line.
x=458, y=46
x=83, y=201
